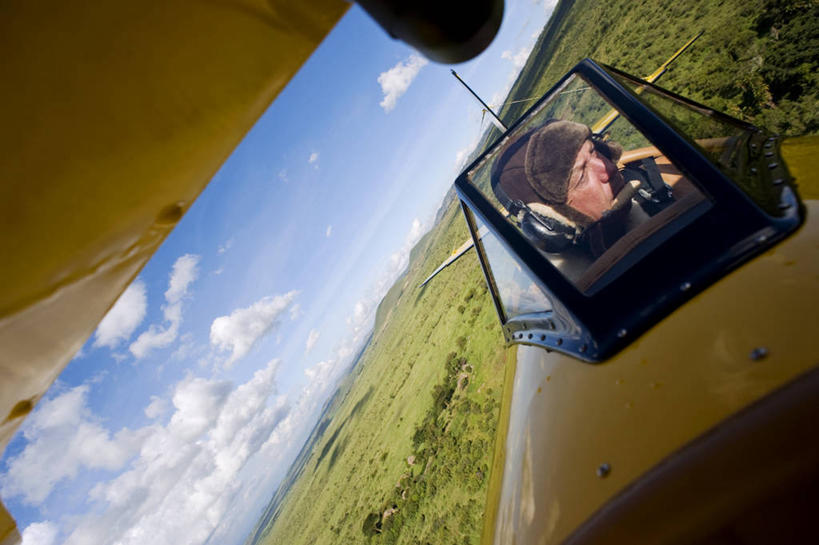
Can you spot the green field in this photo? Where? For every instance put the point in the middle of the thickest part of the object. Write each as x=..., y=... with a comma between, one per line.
x=429, y=383
x=429, y=390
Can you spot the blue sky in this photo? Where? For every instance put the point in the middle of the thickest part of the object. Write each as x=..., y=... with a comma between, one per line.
x=197, y=390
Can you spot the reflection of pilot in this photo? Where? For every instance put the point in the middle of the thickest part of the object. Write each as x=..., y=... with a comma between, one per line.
x=563, y=184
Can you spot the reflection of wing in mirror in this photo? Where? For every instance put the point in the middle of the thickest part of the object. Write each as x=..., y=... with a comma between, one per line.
x=593, y=204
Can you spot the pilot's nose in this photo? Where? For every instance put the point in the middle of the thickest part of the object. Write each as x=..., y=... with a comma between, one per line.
x=602, y=168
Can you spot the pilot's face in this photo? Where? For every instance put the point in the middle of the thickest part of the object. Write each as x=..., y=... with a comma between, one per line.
x=594, y=182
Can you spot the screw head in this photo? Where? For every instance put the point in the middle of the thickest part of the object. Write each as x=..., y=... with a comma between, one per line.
x=622, y=333
x=758, y=353
x=685, y=286
x=603, y=470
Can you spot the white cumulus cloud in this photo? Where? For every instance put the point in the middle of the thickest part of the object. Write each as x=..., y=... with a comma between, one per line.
x=312, y=339
x=240, y=330
x=363, y=311
x=321, y=377
x=198, y=402
x=518, y=59
x=225, y=247
x=182, y=481
x=295, y=311
x=183, y=273
x=155, y=337
x=62, y=438
x=361, y=319
x=313, y=157
x=549, y=5
x=156, y=407
x=124, y=317
x=395, y=81
x=461, y=157
x=400, y=259
x=40, y=533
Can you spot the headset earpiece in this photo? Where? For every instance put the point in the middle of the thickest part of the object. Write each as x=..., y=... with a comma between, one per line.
x=545, y=233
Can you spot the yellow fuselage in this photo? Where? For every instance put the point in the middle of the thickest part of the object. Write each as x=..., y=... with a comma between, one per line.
x=741, y=339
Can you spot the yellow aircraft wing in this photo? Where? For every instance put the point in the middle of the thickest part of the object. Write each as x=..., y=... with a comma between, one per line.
x=457, y=253
x=605, y=122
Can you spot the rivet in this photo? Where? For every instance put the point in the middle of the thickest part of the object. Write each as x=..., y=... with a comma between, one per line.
x=778, y=181
x=773, y=165
x=582, y=348
x=769, y=144
x=685, y=286
x=758, y=353
x=559, y=342
x=753, y=146
x=768, y=154
x=753, y=170
x=530, y=335
x=622, y=333
x=762, y=238
x=603, y=470
x=543, y=337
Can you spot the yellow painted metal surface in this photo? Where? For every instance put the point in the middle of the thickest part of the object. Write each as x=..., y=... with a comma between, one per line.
x=115, y=116
x=802, y=157
x=8, y=529
x=679, y=380
x=493, y=493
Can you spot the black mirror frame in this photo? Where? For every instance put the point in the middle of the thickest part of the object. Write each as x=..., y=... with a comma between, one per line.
x=733, y=230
